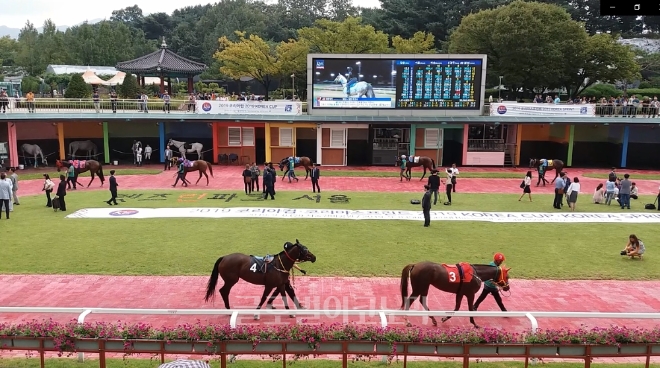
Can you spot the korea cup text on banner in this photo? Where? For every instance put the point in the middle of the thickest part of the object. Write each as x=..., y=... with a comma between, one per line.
x=542, y=109
x=249, y=107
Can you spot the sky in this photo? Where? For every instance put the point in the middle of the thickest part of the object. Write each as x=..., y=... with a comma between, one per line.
x=14, y=13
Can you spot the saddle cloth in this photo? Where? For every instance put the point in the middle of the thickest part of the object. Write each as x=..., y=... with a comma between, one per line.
x=259, y=262
x=188, y=163
x=414, y=159
x=454, y=273
x=296, y=160
x=78, y=164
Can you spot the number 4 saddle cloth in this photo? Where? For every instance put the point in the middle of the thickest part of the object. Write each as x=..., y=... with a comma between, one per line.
x=461, y=272
x=260, y=262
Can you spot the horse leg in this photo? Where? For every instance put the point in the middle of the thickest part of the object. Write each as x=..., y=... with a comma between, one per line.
x=459, y=298
x=556, y=176
x=424, y=173
x=470, y=300
x=91, y=172
x=292, y=294
x=225, y=289
x=409, y=173
x=207, y=178
x=200, y=177
x=286, y=171
x=267, y=291
x=422, y=300
x=409, y=301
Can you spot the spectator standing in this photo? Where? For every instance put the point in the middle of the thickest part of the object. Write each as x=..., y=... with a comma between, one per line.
x=113, y=189
x=610, y=192
x=48, y=188
x=426, y=206
x=5, y=195
x=113, y=101
x=147, y=154
x=30, y=101
x=572, y=192
x=454, y=174
x=96, y=98
x=269, y=179
x=448, y=186
x=526, y=186
x=316, y=174
x=61, y=192
x=434, y=185
x=71, y=177
x=14, y=183
x=247, y=179
x=559, y=192
x=254, y=179
x=166, y=102
x=624, y=192
x=168, y=158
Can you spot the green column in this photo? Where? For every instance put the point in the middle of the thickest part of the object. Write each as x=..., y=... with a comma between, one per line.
x=571, y=136
x=106, y=146
x=413, y=138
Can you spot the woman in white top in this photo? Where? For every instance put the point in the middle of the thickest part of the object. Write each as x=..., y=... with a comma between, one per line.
x=454, y=172
x=48, y=188
x=526, y=186
x=599, y=194
x=572, y=193
x=634, y=248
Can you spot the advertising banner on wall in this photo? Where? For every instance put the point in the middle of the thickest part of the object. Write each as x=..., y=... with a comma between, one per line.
x=402, y=84
x=542, y=109
x=249, y=107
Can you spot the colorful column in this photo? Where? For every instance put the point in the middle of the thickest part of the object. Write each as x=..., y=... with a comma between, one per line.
x=518, y=144
x=161, y=137
x=267, y=142
x=106, y=143
x=624, y=150
x=466, y=130
x=413, y=139
x=13, y=144
x=571, y=137
x=216, y=142
x=319, y=144
x=60, y=138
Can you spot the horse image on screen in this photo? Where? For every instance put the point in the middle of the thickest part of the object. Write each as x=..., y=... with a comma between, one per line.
x=351, y=83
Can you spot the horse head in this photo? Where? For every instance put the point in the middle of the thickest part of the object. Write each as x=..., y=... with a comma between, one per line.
x=304, y=255
x=503, y=278
x=340, y=79
x=283, y=162
x=532, y=162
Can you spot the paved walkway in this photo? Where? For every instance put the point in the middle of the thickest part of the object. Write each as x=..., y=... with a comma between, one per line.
x=229, y=178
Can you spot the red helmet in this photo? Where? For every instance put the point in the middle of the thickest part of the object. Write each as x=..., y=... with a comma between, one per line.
x=498, y=257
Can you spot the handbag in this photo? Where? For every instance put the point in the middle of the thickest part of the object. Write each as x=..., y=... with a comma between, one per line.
x=560, y=191
x=522, y=185
x=651, y=206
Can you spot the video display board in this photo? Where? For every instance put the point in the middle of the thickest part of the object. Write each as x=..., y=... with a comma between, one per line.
x=420, y=84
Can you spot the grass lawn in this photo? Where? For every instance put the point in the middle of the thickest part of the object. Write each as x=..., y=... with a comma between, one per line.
x=633, y=177
x=39, y=241
x=303, y=363
x=23, y=175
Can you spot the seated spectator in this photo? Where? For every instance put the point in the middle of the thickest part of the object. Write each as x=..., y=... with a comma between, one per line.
x=634, y=248
x=634, y=191
x=599, y=194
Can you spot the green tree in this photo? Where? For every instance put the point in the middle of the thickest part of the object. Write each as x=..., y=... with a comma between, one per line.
x=129, y=87
x=28, y=56
x=532, y=45
x=77, y=88
x=419, y=43
x=347, y=37
x=266, y=63
x=30, y=83
x=8, y=49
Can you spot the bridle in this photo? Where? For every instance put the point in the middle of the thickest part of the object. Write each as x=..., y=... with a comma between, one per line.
x=501, y=281
x=303, y=252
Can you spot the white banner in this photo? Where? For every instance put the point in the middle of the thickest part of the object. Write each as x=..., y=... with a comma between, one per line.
x=250, y=107
x=541, y=109
x=308, y=213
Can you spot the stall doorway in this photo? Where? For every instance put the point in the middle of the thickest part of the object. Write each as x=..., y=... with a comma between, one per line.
x=306, y=143
x=260, y=145
x=357, y=147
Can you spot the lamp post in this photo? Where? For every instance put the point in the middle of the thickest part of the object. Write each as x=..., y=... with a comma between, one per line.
x=293, y=86
x=499, y=90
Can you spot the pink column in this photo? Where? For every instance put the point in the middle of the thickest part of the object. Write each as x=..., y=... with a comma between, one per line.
x=13, y=144
x=465, y=143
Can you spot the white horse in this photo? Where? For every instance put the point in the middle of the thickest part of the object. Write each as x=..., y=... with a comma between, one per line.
x=360, y=88
x=34, y=150
x=194, y=147
x=136, y=145
x=87, y=146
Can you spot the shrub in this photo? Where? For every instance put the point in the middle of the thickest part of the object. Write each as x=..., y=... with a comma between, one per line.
x=645, y=85
x=77, y=88
x=601, y=90
x=129, y=87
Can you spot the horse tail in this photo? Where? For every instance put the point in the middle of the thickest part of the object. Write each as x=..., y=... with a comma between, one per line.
x=405, y=275
x=433, y=162
x=370, y=92
x=100, y=173
x=213, y=281
x=210, y=168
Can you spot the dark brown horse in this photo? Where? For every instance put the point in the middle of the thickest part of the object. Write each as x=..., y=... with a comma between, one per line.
x=463, y=279
x=303, y=161
x=81, y=166
x=426, y=162
x=236, y=266
x=557, y=165
x=198, y=165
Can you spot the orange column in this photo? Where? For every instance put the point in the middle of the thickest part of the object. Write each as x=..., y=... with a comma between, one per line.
x=466, y=129
x=518, y=143
x=216, y=143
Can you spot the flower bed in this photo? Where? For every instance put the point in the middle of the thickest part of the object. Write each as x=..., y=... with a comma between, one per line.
x=320, y=339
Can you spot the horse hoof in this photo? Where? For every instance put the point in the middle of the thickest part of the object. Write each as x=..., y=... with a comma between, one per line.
x=292, y=316
x=256, y=317
x=476, y=326
x=444, y=320
x=408, y=324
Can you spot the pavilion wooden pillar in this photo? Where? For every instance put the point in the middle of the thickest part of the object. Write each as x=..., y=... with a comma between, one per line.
x=162, y=84
x=143, y=83
x=139, y=80
x=169, y=86
x=190, y=85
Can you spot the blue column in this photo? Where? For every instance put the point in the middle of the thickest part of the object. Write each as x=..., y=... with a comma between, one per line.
x=161, y=135
x=624, y=150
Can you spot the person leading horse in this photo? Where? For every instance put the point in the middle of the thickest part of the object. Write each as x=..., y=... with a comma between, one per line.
x=407, y=163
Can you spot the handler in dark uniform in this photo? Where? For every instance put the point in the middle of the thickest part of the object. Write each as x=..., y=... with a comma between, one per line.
x=434, y=185
x=426, y=206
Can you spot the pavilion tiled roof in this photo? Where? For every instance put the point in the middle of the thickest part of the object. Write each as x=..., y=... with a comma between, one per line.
x=162, y=61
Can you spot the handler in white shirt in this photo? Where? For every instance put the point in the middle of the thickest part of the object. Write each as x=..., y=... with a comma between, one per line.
x=454, y=174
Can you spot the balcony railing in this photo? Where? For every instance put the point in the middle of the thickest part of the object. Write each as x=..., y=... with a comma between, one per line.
x=486, y=145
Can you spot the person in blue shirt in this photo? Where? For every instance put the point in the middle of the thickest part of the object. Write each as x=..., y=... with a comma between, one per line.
x=559, y=192
x=490, y=287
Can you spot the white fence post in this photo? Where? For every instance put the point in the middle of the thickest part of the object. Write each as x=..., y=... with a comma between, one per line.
x=81, y=319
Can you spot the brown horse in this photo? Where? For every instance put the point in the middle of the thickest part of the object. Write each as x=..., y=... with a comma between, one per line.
x=198, y=165
x=236, y=266
x=93, y=166
x=557, y=165
x=303, y=161
x=463, y=279
x=426, y=162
